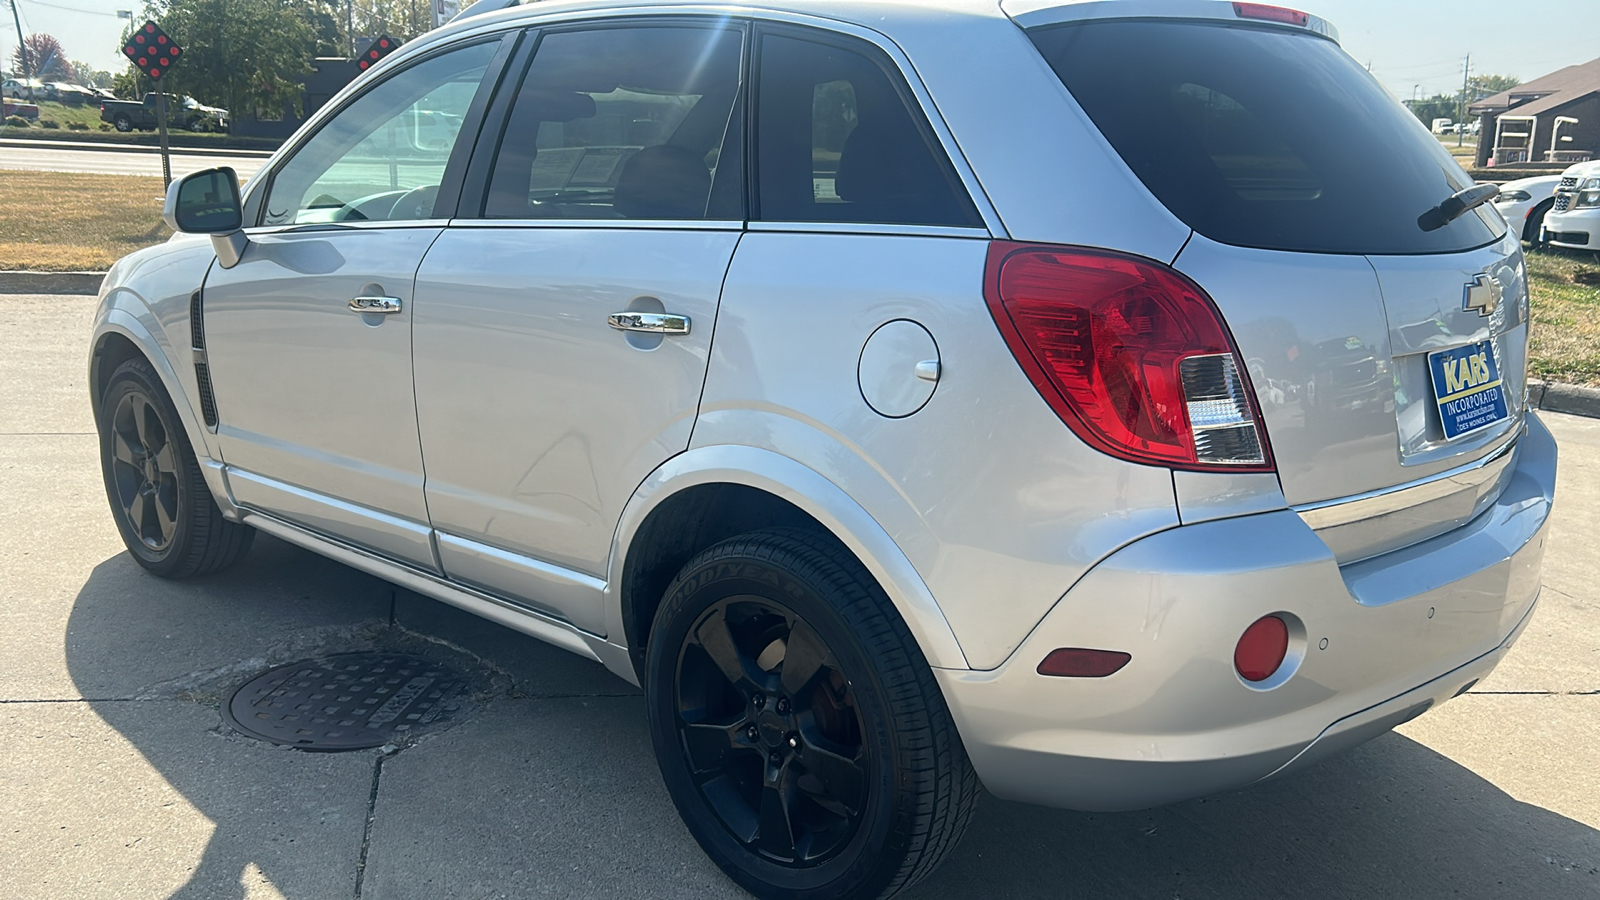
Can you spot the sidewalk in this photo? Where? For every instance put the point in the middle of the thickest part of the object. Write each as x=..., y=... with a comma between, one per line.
x=119, y=777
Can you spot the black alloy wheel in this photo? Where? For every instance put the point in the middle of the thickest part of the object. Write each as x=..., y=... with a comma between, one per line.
x=144, y=470
x=797, y=725
x=771, y=732
x=163, y=508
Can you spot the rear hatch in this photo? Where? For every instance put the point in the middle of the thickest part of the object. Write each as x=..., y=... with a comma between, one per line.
x=1389, y=359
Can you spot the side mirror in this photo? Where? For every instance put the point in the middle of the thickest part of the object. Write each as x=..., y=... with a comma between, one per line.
x=207, y=202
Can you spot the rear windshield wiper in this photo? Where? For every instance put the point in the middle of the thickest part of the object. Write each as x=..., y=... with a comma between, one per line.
x=1457, y=205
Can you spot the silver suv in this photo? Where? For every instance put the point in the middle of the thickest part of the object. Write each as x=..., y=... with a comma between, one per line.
x=1106, y=403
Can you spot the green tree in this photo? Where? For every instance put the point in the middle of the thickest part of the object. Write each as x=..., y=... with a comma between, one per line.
x=1481, y=86
x=90, y=76
x=244, y=55
x=1439, y=106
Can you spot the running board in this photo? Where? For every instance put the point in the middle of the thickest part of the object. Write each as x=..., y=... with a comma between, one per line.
x=545, y=628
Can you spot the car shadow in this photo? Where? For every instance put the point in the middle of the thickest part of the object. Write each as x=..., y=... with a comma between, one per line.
x=1390, y=819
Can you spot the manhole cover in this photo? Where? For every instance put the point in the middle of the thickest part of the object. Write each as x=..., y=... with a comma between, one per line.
x=350, y=701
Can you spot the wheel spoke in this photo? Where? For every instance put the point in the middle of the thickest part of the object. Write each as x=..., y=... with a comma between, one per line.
x=717, y=640
x=711, y=744
x=166, y=460
x=120, y=450
x=843, y=774
x=141, y=426
x=166, y=516
x=138, y=509
x=804, y=657
x=776, y=835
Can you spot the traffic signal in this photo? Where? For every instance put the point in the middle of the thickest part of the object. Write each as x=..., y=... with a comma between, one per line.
x=375, y=51
x=152, y=51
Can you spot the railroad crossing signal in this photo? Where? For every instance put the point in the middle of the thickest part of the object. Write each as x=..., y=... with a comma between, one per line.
x=375, y=51
x=152, y=51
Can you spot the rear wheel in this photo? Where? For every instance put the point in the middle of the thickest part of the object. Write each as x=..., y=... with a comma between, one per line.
x=159, y=498
x=123, y=123
x=797, y=725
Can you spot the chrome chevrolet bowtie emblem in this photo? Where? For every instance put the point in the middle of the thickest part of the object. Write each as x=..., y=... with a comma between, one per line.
x=1482, y=295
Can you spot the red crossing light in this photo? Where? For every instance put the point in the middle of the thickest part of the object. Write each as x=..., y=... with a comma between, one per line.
x=375, y=51
x=152, y=50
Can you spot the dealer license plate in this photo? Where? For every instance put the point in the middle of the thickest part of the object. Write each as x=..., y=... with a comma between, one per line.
x=1466, y=383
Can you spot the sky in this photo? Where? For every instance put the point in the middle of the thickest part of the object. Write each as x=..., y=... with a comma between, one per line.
x=1412, y=45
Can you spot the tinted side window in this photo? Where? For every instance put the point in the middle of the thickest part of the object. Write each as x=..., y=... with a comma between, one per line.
x=622, y=123
x=836, y=142
x=383, y=156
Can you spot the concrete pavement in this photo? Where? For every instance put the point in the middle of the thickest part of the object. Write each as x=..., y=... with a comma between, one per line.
x=118, y=777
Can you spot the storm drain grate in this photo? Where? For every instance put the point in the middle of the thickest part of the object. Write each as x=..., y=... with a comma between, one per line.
x=350, y=701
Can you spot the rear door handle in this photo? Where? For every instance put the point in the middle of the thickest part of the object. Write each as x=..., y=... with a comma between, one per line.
x=381, y=305
x=654, y=323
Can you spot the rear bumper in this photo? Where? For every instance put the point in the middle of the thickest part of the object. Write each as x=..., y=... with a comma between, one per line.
x=1403, y=632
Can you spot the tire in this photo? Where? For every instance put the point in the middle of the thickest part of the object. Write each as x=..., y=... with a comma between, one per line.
x=123, y=124
x=841, y=778
x=1535, y=226
x=165, y=512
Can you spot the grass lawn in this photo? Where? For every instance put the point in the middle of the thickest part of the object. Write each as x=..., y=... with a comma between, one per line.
x=93, y=220
x=87, y=115
x=56, y=222
x=1566, y=316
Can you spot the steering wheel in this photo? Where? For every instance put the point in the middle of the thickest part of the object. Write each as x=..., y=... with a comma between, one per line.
x=416, y=203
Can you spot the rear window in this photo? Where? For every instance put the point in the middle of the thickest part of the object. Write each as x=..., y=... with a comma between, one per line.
x=1263, y=137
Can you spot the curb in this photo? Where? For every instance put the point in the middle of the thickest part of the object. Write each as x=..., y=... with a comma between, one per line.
x=51, y=282
x=113, y=147
x=1572, y=399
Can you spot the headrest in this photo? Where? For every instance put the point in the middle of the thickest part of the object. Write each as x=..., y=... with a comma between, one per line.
x=663, y=182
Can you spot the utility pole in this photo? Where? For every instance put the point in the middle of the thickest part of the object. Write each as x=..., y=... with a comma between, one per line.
x=1461, y=120
x=349, y=27
x=22, y=43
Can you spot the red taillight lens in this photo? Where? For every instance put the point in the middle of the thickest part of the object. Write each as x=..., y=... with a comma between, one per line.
x=1271, y=14
x=1076, y=662
x=1131, y=355
x=1261, y=649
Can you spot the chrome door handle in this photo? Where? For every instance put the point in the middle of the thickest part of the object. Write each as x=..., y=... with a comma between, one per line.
x=382, y=305
x=654, y=323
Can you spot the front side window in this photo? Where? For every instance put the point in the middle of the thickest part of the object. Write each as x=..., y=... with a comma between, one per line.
x=837, y=142
x=382, y=157
x=622, y=123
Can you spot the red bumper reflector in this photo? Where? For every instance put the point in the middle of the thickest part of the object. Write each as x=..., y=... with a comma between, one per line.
x=1074, y=662
x=1261, y=649
x=1271, y=14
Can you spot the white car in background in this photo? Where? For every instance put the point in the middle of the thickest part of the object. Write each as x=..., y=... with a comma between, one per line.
x=1574, y=220
x=1524, y=203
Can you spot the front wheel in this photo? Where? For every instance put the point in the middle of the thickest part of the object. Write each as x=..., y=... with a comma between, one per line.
x=1533, y=232
x=797, y=724
x=159, y=498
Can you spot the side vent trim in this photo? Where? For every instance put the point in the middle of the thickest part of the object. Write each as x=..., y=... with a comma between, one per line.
x=202, y=371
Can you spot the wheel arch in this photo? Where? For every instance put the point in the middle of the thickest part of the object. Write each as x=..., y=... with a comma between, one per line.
x=1539, y=209
x=712, y=493
x=119, y=336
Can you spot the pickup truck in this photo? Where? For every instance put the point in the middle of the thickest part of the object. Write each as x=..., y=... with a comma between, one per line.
x=182, y=112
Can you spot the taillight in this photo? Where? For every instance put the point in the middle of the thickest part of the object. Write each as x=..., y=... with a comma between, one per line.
x=1131, y=355
x=1271, y=14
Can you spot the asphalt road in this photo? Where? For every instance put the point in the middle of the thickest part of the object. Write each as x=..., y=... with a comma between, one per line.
x=118, y=777
x=119, y=162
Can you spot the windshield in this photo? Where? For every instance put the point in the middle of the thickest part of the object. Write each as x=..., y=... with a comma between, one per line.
x=1263, y=137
